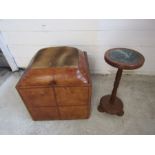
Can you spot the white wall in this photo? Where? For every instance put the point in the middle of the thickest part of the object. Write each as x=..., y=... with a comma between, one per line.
x=26, y=37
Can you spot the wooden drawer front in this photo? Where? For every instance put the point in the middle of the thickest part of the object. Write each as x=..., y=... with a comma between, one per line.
x=38, y=97
x=74, y=112
x=72, y=95
x=44, y=113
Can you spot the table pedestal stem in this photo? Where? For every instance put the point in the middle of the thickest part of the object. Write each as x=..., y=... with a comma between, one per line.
x=111, y=103
x=116, y=84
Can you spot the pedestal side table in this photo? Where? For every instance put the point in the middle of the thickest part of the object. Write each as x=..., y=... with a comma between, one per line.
x=121, y=58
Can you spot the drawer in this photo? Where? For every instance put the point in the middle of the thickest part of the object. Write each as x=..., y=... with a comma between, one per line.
x=72, y=96
x=74, y=112
x=38, y=97
x=44, y=113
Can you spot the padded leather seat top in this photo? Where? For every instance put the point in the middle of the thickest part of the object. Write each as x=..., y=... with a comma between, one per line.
x=56, y=57
x=58, y=66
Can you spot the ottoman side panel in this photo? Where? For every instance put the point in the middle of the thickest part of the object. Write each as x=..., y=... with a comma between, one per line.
x=90, y=81
x=40, y=102
x=84, y=69
x=38, y=97
x=71, y=96
x=74, y=112
x=44, y=113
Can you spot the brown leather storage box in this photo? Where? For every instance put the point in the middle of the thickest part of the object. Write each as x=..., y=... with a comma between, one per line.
x=57, y=84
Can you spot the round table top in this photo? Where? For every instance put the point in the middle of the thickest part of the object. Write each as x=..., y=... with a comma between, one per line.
x=124, y=58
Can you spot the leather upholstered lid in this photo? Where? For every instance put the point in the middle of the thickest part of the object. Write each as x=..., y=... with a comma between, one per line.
x=60, y=66
x=56, y=57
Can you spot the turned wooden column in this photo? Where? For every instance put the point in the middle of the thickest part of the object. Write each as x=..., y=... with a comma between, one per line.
x=116, y=84
x=121, y=58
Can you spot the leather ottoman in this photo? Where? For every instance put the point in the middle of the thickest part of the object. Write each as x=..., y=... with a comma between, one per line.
x=57, y=84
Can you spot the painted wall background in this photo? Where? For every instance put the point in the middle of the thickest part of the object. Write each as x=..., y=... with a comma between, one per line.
x=25, y=37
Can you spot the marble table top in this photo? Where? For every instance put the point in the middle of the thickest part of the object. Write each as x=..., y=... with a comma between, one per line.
x=124, y=58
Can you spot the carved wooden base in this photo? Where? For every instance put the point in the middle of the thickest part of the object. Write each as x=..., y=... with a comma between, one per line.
x=112, y=108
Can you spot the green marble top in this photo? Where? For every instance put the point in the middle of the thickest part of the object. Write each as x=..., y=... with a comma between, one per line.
x=126, y=56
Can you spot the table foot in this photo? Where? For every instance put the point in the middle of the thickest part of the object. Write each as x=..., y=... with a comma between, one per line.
x=115, y=108
x=120, y=113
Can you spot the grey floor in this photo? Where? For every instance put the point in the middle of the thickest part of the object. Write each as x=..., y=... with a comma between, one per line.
x=136, y=91
x=4, y=74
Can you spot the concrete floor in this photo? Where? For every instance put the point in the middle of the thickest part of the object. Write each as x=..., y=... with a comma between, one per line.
x=136, y=91
x=4, y=74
